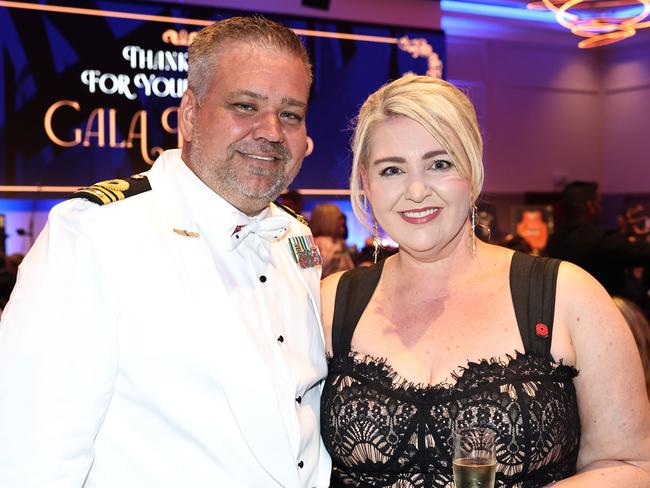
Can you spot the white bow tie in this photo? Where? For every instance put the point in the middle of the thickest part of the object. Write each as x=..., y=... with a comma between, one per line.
x=269, y=229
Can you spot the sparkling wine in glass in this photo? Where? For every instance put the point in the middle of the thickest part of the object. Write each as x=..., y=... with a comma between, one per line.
x=474, y=458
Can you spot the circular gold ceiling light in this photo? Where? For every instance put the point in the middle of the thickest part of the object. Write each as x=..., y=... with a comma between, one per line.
x=596, y=20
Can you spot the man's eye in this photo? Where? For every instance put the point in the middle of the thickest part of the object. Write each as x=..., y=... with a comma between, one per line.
x=291, y=116
x=244, y=107
x=441, y=164
x=390, y=171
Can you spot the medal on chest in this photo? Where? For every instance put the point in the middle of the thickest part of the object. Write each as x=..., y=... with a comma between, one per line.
x=305, y=251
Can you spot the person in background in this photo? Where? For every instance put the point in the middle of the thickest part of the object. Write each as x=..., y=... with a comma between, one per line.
x=329, y=226
x=164, y=330
x=13, y=262
x=7, y=280
x=640, y=327
x=327, y=219
x=533, y=229
x=580, y=239
x=452, y=332
x=634, y=224
x=516, y=243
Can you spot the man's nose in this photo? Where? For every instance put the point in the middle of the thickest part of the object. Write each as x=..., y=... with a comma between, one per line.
x=268, y=127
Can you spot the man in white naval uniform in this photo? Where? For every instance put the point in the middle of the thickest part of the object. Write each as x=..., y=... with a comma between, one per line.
x=165, y=331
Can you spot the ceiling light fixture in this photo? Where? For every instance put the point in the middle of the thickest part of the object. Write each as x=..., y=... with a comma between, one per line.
x=601, y=22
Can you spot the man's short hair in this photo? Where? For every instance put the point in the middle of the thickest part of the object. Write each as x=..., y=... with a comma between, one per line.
x=255, y=31
x=576, y=196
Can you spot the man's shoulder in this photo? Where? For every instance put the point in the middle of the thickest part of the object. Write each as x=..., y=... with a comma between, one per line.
x=577, y=234
x=106, y=203
x=293, y=214
x=115, y=190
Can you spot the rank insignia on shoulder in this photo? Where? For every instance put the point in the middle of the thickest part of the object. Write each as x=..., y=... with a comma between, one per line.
x=110, y=191
x=295, y=215
x=305, y=251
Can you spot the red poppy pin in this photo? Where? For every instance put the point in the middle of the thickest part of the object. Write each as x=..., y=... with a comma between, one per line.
x=541, y=330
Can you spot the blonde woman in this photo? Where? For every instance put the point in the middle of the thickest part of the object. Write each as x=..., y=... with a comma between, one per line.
x=452, y=332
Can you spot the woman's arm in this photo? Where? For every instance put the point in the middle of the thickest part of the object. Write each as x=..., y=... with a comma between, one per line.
x=612, y=399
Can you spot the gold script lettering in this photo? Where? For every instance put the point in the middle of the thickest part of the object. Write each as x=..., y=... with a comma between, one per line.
x=48, y=123
x=140, y=116
x=97, y=114
x=112, y=142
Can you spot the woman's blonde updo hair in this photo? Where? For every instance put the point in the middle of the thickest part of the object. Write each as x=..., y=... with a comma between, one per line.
x=438, y=106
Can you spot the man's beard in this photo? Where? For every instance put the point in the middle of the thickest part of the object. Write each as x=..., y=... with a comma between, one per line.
x=225, y=176
x=279, y=174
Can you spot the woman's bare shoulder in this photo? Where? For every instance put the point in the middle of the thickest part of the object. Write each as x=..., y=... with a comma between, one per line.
x=580, y=295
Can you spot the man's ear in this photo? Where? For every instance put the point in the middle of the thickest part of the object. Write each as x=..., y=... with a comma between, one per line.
x=310, y=146
x=187, y=113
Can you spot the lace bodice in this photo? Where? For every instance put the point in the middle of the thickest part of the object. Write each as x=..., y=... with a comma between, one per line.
x=383, y=431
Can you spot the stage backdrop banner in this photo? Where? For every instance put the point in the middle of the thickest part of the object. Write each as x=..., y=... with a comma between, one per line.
x=91, y=92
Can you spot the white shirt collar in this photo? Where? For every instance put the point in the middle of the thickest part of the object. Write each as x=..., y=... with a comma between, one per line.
x=211, y=212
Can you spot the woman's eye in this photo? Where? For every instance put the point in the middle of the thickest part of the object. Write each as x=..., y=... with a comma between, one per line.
x=390, y=171
x=441, y=164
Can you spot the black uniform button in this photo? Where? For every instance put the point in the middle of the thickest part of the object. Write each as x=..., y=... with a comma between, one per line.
x=299, y=399
x=263, y=279
x=301, y=464
x=280, y=339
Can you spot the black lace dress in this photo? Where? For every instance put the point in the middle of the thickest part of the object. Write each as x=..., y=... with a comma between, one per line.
x=382, y=431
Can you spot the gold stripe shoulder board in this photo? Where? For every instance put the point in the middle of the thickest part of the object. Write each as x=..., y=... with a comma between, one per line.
x=110, y=191
x=295, y=215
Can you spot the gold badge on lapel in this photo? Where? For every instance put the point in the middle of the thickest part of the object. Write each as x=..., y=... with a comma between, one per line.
x=185, y=233
x=305, y=251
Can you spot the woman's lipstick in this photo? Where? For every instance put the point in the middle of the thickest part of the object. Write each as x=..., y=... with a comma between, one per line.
x=420, y=215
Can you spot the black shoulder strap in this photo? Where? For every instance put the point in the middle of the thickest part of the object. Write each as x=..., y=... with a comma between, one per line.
x=532, y=285
x=353, y=292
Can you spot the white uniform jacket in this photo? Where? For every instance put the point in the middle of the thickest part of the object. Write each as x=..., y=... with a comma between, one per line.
x=124, y=365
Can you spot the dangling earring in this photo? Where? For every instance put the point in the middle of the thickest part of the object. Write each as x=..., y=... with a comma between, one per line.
x=474, y=230
x=376, y=242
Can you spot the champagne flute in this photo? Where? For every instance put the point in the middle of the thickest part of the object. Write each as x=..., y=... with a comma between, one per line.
x=474, y=458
